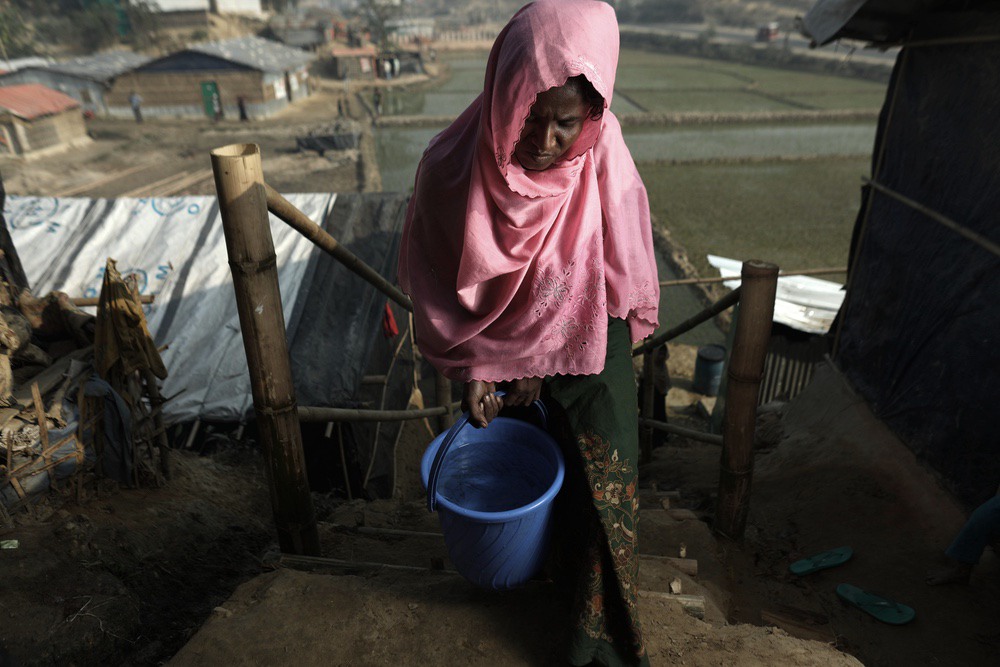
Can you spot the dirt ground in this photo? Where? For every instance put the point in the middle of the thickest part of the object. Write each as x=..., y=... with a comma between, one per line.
x=190, y=574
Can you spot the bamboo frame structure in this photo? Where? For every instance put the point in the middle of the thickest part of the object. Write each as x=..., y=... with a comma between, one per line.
x=746, y=365
x=239, y=181
x=245, y=199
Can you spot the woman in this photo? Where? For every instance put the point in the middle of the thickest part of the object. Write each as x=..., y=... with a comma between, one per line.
x=528, y=253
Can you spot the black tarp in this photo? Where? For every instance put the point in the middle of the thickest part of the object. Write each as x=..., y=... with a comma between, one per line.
x=336, y=337
x=921, y=324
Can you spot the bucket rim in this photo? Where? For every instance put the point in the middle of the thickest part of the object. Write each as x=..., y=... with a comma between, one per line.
x=505, y=515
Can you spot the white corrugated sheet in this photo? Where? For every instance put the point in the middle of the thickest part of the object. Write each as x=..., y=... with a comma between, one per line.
x=176, y=247
x=801, y=302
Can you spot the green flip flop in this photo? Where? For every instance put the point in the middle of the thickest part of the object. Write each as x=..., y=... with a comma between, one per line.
x=881, y=608
x=821, y=561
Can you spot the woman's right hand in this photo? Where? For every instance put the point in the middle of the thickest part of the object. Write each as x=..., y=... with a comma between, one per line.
x=481, y=402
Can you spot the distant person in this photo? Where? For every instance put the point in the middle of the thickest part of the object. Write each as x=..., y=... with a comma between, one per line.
x=135, y=101
x=395, y=67
x=340, y=107
x=377, y=99
x=982, y=529
x=241, y=102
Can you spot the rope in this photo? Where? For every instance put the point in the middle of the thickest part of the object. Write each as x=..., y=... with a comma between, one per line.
x=961, y=230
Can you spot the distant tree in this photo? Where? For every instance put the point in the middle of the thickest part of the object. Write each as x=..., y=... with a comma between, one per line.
x=377, y=14
x=15, y=37
x=143, y=21
x=96, y=27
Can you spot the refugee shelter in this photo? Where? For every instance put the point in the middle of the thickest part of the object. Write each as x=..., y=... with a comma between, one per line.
x=917, y=336
x=176, y=249
x=35, y=119
x=352, y=62
x=308, y=30
x=87, y=79
x=209, y=79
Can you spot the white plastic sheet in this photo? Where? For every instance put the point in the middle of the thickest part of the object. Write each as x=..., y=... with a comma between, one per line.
x=803, y=303
x=176, y=248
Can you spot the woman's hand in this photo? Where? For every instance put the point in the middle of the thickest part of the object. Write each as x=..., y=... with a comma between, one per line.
x=524, y=391
x=482, y=404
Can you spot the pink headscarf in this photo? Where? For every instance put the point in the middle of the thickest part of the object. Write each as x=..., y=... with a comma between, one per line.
x=513, y=273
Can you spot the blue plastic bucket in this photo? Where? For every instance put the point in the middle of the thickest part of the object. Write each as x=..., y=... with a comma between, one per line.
x=708, y=369
x=493, y=489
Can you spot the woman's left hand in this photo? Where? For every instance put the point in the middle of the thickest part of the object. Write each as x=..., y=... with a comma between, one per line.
x=523, y=391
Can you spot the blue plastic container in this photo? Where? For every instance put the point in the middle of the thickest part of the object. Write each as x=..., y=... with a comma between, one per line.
x=708, y=369
x=493, y=489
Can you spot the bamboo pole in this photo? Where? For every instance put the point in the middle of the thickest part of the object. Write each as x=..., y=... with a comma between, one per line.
x=693, y=434
x=648, y=399
x=319, y=414
x=284, y=210
x=93, y=301
x=746, y=364
x=239, y=180
x=156, y=414
x=727, y=301
x=442, y=391
x=722, y=279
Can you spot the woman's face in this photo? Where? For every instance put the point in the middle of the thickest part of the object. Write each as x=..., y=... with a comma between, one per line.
x=554, y=122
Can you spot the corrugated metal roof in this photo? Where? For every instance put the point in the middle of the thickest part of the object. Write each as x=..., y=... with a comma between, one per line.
x=101, y=66
x=261, y=54
x=33, y=100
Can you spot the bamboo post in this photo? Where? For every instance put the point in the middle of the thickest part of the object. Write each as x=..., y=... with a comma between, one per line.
x=746, y=365
x=648, y=396
x=239, y=181
x=442, y=391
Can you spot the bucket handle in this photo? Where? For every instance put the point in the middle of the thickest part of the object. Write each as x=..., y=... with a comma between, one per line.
x=435, y=471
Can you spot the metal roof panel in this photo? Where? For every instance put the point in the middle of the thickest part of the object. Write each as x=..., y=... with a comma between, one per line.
x=33, y=100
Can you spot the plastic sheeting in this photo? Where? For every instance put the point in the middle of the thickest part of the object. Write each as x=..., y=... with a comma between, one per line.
x=176, y=247
x=922, y=317
x=802, y=303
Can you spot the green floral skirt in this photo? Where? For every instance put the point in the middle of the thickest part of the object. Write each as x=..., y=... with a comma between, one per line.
x=595, y=417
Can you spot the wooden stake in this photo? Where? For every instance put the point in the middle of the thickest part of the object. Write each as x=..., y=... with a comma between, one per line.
x=442, y=390
x=239, y=180
x=648, y=399
x=746, y=365
x=43, y=429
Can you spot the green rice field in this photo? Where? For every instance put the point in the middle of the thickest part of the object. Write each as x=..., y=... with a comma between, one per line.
x=665, y=83
x=795, y=214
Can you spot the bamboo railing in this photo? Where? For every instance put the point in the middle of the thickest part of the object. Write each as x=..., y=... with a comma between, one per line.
x=245, y=200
